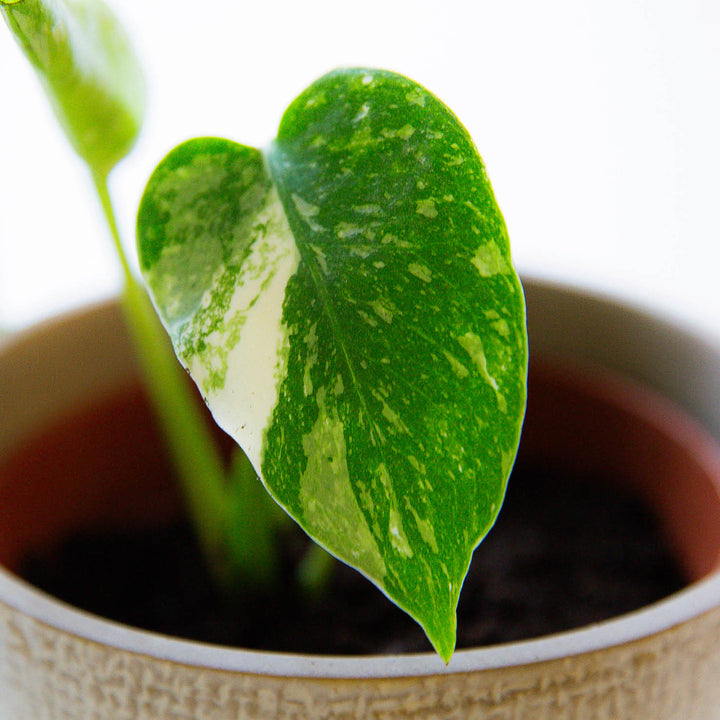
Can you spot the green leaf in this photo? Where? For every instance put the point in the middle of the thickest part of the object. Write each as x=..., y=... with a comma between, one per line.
x=346, y=303
x=89, y=72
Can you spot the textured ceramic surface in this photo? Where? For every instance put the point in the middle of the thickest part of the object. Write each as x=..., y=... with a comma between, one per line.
x=55, y=675
x=661, y=663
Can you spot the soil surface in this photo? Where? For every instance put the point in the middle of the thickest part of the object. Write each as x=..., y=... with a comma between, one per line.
x=563, y=554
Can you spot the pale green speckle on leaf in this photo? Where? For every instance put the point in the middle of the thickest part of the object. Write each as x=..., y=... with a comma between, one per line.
x=427, y=208
x=420, y=272
x=489, y=260
x=347, y=303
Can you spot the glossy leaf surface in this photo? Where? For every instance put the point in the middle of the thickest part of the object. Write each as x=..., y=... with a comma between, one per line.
x=346, y=302
x=89, y=72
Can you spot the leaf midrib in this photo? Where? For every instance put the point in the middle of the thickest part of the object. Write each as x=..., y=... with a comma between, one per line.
x=308, y=257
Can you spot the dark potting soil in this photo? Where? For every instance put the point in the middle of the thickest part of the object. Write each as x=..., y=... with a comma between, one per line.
x=563, y=554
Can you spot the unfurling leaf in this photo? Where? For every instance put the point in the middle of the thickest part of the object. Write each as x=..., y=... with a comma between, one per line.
x=346, y=302
x=89, y=72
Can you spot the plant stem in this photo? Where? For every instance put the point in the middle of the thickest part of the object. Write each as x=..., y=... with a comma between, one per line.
x=227, y=541
x=315, y=571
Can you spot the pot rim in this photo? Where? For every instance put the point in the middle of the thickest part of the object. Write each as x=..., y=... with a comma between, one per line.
x=693, y=601
x=683, y=606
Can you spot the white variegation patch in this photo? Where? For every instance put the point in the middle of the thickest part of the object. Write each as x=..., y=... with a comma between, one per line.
x=256, y=362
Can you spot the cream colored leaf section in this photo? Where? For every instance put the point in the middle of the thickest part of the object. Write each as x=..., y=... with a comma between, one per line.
x=255, y=356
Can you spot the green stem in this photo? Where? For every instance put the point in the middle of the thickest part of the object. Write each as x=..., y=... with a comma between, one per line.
x=315, y=572
x=200, y=468
x=256, y=521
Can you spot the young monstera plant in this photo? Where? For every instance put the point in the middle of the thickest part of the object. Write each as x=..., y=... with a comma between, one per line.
x=346, y=303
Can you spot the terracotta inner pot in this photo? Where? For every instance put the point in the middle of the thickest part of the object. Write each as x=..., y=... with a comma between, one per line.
x=105, y=466
x=102, y=466
x=604, y=426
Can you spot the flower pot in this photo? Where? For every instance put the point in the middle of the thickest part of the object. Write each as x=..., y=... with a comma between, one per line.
x=661, y=661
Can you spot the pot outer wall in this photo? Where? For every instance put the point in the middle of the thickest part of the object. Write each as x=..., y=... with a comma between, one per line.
x=659, y=663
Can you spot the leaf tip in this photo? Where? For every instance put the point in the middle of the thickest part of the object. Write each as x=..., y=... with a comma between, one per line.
x=445, y=646
x=441, y=631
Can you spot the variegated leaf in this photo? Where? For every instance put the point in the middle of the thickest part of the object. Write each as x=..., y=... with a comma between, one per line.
x=347, y=304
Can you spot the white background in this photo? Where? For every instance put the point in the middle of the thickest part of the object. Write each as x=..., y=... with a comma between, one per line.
x=599, y=124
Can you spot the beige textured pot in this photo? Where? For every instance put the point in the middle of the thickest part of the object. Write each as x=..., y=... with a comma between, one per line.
x=662, y=662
